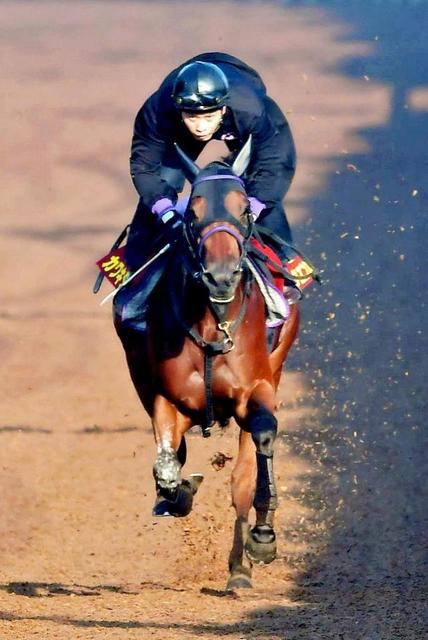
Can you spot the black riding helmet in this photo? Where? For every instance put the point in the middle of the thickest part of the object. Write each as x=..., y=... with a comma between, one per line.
x=200, y=86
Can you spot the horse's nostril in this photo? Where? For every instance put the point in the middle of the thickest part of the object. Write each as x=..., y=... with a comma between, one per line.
x=224, y=283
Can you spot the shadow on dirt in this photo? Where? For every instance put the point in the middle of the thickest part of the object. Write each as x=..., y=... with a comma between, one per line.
x=97, y=430
x=23, y=429
x=50, y=589
x=364, y=337
x=271, y=624
x=92, y=430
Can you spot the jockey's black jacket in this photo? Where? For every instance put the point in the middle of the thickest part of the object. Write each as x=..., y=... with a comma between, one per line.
x=249, y=111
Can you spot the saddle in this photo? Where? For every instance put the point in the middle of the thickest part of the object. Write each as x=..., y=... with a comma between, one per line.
x=134, y=291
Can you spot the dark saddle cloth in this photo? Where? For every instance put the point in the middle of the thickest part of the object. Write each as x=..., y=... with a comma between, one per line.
x=132, y=302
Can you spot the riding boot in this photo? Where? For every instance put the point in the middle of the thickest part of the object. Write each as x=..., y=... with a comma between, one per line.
x=142, y=237
x=275, y=220
x=292, y=292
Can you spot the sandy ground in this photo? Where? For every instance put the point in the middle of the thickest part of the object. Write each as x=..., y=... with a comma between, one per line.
x=81, y=556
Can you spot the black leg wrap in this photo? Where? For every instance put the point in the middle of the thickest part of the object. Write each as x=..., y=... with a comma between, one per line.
x=265, y=498
x=263, y=426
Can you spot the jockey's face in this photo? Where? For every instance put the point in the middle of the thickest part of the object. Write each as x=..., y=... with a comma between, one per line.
x=202, y=126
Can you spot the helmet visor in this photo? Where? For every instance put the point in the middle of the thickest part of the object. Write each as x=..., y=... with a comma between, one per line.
x=199, y=102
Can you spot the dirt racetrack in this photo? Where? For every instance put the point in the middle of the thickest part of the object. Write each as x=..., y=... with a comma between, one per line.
x=81, y=555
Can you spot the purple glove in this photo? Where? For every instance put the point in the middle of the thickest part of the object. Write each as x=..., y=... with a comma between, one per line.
x=166, y=213
x=256, y=207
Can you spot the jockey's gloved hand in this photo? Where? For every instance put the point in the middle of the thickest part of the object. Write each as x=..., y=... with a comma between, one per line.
x=256, y=207
x=171, y=219
x=166, y=214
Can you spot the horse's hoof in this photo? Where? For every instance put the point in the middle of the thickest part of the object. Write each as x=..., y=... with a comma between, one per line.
x=194, y=481
x=240, y=578
x=260, y=546
x=161, y=508
x=179, y=507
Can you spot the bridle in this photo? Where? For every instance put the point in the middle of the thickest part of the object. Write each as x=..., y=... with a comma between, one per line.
x=196, y=236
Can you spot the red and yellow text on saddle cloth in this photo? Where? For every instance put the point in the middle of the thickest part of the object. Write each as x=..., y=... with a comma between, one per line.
x=113, y=266
x=297, y=267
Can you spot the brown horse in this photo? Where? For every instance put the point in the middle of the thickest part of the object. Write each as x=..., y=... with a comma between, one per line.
x=204, y=359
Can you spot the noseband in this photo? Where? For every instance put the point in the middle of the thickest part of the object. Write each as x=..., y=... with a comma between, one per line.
x=220, y=227
x=227, y=224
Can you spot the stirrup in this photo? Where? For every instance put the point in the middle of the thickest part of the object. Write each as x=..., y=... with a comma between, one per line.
x=292, y=292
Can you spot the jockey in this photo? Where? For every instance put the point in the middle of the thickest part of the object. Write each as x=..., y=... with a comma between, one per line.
x=211, y=96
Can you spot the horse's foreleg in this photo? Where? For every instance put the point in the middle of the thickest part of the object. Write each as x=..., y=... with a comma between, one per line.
x=174, y=495
x=262, y=424
x=243, y=486
x=168, y=435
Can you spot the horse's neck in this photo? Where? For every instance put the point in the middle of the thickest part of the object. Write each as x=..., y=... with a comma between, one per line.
x=190, y=303
x=213, y=315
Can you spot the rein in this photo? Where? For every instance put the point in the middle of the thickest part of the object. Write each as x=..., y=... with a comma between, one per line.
x=215, y=347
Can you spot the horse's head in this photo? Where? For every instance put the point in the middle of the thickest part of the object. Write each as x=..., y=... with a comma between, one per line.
x=218, y=224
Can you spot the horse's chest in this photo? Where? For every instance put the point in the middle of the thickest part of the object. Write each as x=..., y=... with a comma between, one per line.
x=190, y=387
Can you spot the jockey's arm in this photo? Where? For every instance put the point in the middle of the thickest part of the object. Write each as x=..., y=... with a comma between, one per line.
x=147, y=152
x=273, y=162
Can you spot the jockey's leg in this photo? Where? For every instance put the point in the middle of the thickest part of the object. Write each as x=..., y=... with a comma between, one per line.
x=145, y=238
x=275, y=220
x=142, y=236
x=144, y=230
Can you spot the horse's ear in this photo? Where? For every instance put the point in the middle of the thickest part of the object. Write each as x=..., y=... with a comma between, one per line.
x=190, y=168
x=242, y=160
